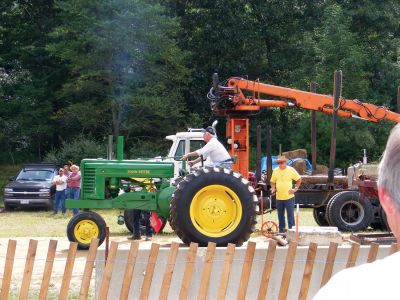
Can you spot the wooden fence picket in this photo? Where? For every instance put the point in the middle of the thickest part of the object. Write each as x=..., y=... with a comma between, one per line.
x=48, y=267
x=187, y=274
x=169, y=270
x=30, y=260
x=373, y=252
x=87, y=273
x=248, y=262
x=105, y=281
x=148, y=277
x=393, y=248
x=305, y=284
x=266, y=275
x=351, y=262
x=226, y=270
x=330, y=261
x=8, y=268
x=205, y=276
x=130, y=265
x=287, y=271
x=69, y=265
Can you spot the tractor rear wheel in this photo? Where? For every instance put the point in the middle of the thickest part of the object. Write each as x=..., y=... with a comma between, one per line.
x=319, y=214
x=84, y=227
x=213, y=205
x=349, y=212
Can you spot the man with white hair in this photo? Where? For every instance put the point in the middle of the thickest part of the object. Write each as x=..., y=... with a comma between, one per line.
x=213, y=149
x=377, y=280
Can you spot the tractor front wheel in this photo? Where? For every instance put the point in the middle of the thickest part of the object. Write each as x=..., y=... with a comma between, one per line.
x=84, y=227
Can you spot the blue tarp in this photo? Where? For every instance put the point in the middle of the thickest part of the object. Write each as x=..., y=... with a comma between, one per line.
x=289, y=163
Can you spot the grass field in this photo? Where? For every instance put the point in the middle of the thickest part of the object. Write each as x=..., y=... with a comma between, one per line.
x=37, y=223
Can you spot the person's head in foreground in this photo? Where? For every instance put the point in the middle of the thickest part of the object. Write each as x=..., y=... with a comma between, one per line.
x=389, y=181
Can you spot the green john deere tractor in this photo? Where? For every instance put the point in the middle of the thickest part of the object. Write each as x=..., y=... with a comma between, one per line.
x=208, y=205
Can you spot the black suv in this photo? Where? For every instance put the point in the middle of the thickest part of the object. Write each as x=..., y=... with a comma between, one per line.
x=32, y=187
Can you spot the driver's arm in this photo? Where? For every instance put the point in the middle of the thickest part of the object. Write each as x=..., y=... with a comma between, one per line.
x=190, y=154
x=193, y=162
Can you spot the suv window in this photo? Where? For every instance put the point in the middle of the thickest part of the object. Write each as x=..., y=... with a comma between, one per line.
x=36, y=175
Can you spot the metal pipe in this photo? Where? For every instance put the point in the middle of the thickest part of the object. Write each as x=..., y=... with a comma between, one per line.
x=398, y=99
x=120, y=148
x=258, y=154
x=313, y=89
x=107, y=244
x=337, y=92
x=215, y=79
x=110, y=153
x=269, y=154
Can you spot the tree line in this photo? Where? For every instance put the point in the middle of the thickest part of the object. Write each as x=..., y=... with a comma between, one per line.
x=74, y=71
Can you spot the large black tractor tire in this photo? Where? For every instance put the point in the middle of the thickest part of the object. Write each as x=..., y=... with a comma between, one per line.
x=319, y=214
x=213, y=205
x=128, y=217
x=84, y=227
x=348, y=212
x=328, y=207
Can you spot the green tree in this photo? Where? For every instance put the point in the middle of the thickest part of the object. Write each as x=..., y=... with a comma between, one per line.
x=224, y=37
x=80, y=148
x=126, y=71
x=28, y=78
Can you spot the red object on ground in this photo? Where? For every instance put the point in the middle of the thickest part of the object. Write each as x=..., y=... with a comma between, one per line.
x=269, y=229
x=155, y=222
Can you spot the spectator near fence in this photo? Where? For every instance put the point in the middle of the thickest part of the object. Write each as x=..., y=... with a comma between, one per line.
x=60, y=181
x=377, y=280
x=74, y=185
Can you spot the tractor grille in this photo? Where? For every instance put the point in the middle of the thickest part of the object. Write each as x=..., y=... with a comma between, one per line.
x=88, y=182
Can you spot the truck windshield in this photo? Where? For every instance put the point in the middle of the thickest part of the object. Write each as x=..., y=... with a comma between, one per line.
x=35, y=175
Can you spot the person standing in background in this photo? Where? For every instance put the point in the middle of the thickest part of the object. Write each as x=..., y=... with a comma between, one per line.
x=60, y=181
x=74, y=185
x=282, y=183
x=67, y=171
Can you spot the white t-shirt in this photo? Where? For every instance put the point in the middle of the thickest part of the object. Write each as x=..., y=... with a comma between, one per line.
x=215, y=150
x=63, y=178
x=377, y=280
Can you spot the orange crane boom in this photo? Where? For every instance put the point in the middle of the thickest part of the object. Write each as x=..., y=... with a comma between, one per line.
x=237, y=98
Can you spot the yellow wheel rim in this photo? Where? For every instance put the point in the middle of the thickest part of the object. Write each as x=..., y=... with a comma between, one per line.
x=215, y=210
x=85, y=231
